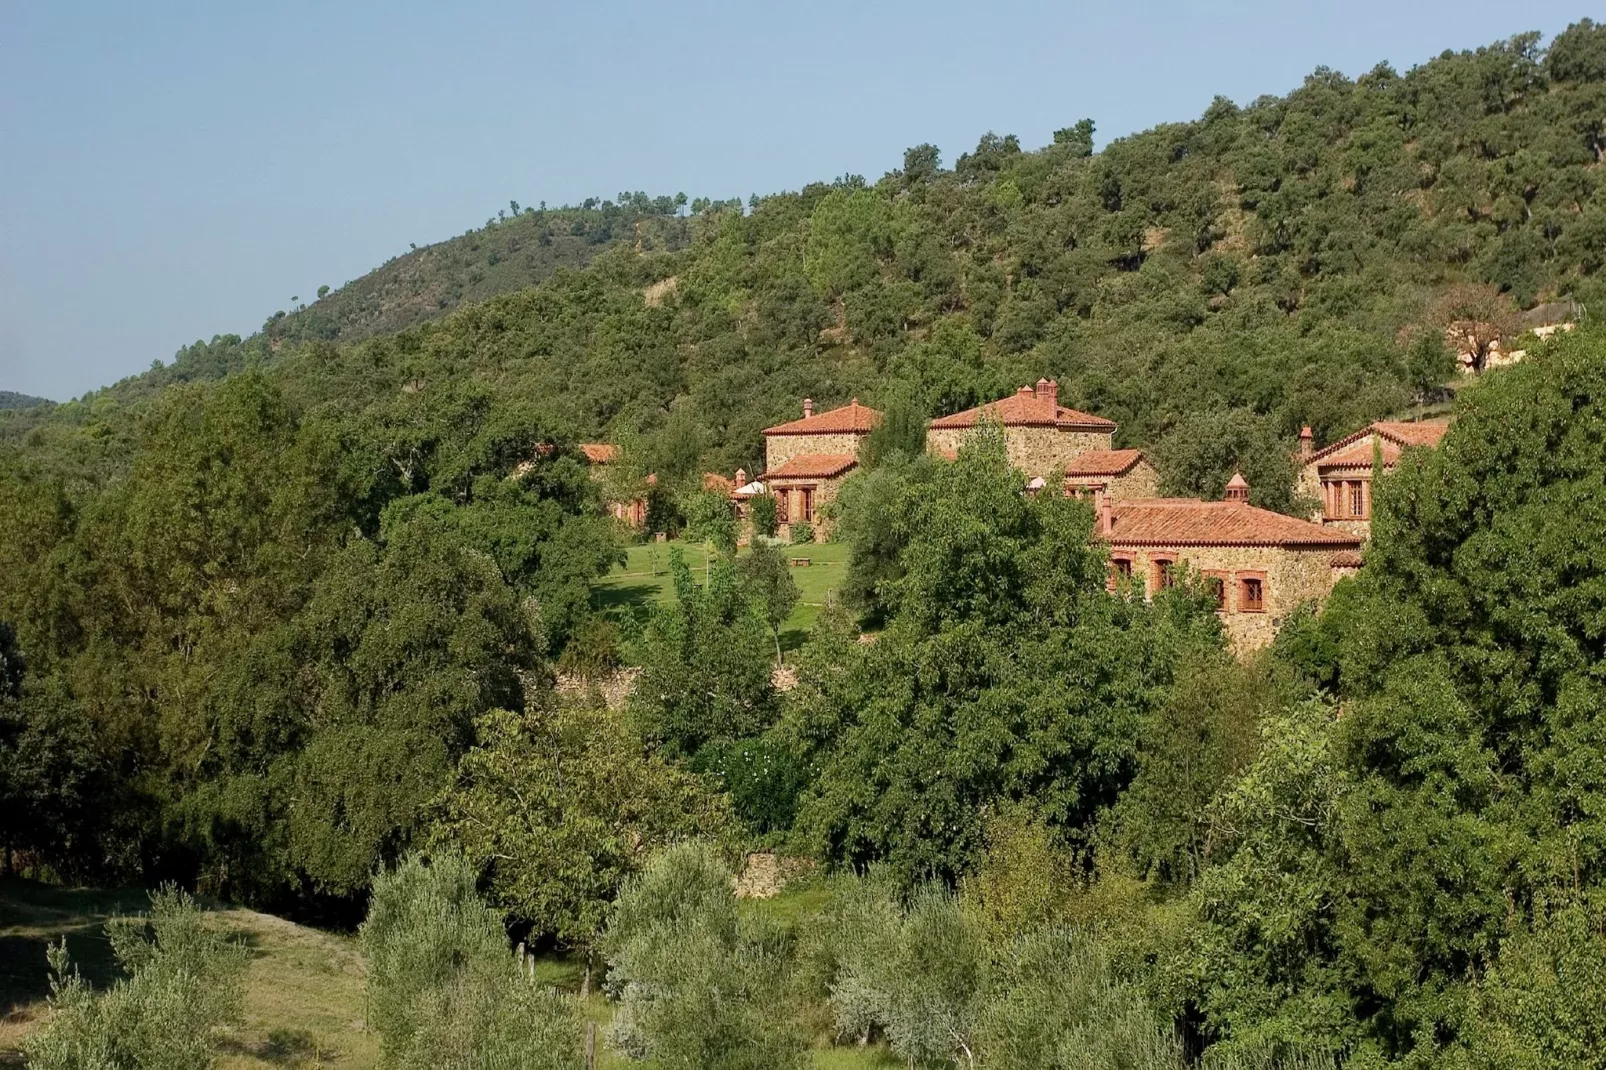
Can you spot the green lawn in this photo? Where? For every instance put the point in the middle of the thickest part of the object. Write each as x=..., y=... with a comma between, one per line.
x=644, y=580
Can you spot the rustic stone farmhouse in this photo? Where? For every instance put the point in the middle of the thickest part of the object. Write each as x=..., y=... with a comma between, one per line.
x=806, y=460
x=1041, y=435
x=1339, y=476
x=1259, y=564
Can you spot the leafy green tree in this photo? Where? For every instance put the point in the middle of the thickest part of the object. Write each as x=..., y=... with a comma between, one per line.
x=699, y=985
x=768, y=581
x=762, y=513
x=703, y=677
x=1535, y=1006
x=1193, y=747
x=183, y=984
x=1006, y=672
x=406, y=647
x=560, y=806
x=710, y=520
x=902, y=431
x=1201, y=453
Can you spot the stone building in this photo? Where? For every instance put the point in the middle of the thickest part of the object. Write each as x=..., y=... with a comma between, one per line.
x=806, y=460
x=1339, y=476
x=1119, y=474
x=1041, y=435
x=1261, y=565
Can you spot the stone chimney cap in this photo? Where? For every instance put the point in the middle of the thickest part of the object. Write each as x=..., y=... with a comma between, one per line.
x=808, y=407
x=1306, y=433
x=1237, y=488
x=1024, y=391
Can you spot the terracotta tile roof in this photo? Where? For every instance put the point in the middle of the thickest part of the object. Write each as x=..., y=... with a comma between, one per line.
x=1103, y=463
x=1345, y=559
x=1191, y=522
x=812, y=466
x=600, y=452
x=1393, y=435
x=1026, y=409
x=716, y=482
x=850, y=419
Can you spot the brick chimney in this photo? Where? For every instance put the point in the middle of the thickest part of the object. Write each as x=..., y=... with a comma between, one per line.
x=1307, y=443
x=1106, y=515
x=808, y=408
x=741, y=478
x=1238, y=488
x=1048, y=390
x=1024, y=392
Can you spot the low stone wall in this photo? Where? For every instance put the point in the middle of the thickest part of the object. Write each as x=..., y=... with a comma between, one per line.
x=764, y=874
x=613, y=689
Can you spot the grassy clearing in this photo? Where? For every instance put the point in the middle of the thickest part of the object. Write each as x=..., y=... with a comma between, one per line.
x=644, y=581
x=304, y=987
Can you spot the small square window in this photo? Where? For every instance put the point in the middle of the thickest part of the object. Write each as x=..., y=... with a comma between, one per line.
x=1252, y=594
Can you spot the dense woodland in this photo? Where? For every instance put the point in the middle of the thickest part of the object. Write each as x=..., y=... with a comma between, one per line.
x=280, y=621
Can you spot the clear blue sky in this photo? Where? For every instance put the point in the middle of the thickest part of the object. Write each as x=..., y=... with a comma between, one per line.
x=173, y=171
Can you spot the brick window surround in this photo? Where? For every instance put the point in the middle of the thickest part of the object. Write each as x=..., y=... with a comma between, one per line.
x=1252, y=593
x=1120, y=569
x=1219, y=584
x=1162, y=573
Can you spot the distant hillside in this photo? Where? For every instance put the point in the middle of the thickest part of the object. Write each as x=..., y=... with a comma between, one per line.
x=511, y=252
x=12, y=400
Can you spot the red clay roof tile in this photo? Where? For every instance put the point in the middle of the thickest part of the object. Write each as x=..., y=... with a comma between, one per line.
x=1393, y=432
x=1103, y=463
x=1191, y=522
x=852, y=418
x=812, y=466
x=1025, y=409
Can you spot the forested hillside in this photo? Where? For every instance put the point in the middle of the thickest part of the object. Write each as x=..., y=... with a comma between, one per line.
x=1266, y=261
x=279, y=616
x=12, y=400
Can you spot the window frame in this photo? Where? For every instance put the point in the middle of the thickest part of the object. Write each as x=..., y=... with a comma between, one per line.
x=1242, y=583
x=1162, y=572
x=1119, y=575
x=1223, y=577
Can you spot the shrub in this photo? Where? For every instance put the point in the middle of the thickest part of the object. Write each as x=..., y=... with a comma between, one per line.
x=183, y=984
x=443, y=988
x=802, y=533
x=699, y=987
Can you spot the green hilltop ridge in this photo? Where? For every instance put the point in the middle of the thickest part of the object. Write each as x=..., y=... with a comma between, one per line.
x=10, y=399
x=1260, y=267
x=513, y=250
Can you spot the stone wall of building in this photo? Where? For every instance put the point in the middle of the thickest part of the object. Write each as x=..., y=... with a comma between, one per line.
x=1291, y=578
x=778, y=449
x=1037, y=451
x=825, y=490
x=1141, y=482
